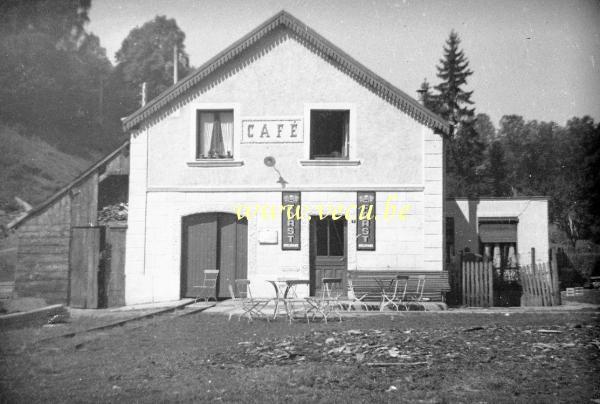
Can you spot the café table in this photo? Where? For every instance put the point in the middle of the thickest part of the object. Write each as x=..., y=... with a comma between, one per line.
x=289, y=295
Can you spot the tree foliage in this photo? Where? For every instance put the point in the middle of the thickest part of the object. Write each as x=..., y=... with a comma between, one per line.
x=146, y=55
x=453, y=71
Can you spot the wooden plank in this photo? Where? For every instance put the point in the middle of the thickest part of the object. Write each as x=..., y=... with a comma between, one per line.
x=84, y=205
x=115, y=284
x=44, y=250
x=83, y=268
x=525, y=286
x=464, y=283
x=477, y=278
x=555, y=280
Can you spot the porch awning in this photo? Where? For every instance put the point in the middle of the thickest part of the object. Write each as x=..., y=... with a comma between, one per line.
x=498, y=232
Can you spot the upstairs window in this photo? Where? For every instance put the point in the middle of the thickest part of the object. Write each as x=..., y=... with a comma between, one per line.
x=214, y=134
x=329, y=132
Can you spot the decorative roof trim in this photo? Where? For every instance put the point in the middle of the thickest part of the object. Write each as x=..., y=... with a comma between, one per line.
x=354, y=69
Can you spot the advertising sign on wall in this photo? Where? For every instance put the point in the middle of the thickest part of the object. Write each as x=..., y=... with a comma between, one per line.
x=365, y=221
x=290, y=221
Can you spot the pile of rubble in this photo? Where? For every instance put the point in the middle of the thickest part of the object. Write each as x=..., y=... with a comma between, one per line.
x=113, y=214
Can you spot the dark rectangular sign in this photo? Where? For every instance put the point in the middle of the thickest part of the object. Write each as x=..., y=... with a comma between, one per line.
x=290, y=221
x=365, y=221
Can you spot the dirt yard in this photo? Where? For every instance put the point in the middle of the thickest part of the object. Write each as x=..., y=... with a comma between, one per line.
x=411, y=357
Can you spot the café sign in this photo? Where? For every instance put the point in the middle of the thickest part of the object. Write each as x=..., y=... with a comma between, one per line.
x=272, y=130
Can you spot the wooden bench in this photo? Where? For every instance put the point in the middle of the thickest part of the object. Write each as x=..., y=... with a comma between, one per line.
x=365, y=282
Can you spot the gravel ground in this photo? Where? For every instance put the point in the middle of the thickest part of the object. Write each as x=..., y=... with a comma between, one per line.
x=411, y=357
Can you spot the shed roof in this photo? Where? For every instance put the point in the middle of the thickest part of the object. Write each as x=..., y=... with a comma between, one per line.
x=39, y=208
x=352, y=67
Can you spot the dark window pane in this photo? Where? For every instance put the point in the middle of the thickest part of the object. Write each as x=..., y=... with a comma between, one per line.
x=336, y=237
x=321, y=237
x=328, y=134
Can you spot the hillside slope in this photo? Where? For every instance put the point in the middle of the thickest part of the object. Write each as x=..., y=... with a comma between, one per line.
x=32, y=169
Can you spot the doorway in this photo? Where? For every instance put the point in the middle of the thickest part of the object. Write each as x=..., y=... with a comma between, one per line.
x=328, y=250
x=213, y=241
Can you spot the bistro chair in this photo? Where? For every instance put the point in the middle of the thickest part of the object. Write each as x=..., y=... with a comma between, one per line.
x=416, y=297
x=242, y=299
x=329, y=301
x=352, y=298
x=208, y=289
x=395, y=294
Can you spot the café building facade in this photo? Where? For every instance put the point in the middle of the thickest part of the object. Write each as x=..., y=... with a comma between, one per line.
x=282, y=156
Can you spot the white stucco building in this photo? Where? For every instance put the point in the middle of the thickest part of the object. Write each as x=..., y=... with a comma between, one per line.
x=504, y=229
x=281, y=115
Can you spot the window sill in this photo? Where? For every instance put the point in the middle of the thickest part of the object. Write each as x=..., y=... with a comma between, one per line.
x=215, y=163
x=330, y=163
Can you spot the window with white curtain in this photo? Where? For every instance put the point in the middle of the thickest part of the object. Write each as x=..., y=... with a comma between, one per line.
x=215, y=134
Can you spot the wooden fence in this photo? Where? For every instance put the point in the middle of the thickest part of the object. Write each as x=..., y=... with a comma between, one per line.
x=477, y=284
x=538, y=285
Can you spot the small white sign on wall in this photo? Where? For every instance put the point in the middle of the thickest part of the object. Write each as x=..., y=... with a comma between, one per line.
x=268, y=237
x=272, y=130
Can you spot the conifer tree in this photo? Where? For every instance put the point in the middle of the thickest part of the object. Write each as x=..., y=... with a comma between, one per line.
x=453, y=71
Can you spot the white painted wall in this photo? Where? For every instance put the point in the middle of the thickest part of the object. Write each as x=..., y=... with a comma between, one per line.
x=392, y=155
x=532, y=228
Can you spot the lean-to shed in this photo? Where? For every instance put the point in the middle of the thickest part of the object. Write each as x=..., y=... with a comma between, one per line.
x=47, y=265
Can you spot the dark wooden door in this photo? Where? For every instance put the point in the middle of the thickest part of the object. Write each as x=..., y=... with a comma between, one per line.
x=84, y=257
x=232, y=251
x=328, y=251
x=212, y=241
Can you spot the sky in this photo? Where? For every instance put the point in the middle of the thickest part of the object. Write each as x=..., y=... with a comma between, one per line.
x=538, y=59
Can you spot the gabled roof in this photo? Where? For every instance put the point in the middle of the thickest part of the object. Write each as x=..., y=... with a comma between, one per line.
x=352, y=67
x=61, y=192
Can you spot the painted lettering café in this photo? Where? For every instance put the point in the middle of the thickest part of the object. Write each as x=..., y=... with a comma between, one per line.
x=282, y=156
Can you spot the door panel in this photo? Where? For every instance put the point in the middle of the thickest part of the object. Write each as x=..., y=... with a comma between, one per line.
x=227, y=252
x=199, y=249
x=242, y=250
x=213, y=241
x=328, y=251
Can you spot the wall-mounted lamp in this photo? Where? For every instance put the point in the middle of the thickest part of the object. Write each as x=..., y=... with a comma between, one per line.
x=270, y=162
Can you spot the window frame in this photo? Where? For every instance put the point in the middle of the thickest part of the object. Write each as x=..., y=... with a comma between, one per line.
x=193, y=160
x=352, y=158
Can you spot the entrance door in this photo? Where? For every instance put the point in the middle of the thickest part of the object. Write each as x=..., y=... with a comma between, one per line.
x=212, y=241
x=328, y=250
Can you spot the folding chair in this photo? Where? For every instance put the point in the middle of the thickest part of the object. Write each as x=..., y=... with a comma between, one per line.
x=208, y=289
x=396, y=296
x=243, y=300
x=416, y=297
x=329, y=300
x=353, y=298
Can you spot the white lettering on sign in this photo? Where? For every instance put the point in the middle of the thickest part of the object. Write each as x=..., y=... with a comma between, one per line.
x=272, y=130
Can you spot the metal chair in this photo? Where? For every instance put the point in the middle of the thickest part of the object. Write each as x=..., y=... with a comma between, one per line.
x=352, y=298
x=395, y=294
x=208, y=289
x=243, y=300
x=416, y=297
x=329, y=301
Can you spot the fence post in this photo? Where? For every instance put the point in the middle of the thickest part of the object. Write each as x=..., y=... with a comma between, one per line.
x=490, y=275
x=554, y=272
x=464, y=281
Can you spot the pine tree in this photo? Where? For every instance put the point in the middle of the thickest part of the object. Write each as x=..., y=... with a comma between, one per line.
x=427, y=98
x=453, y=71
